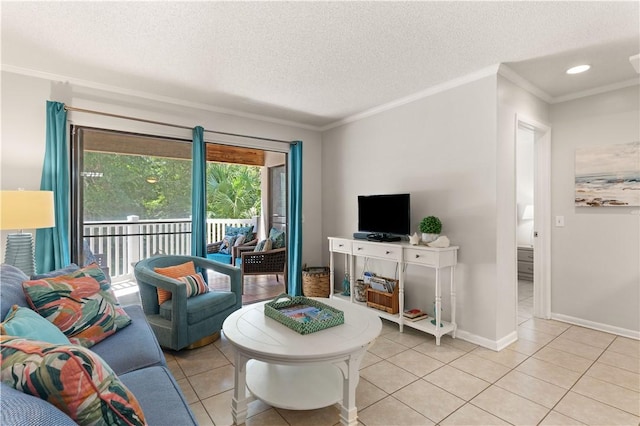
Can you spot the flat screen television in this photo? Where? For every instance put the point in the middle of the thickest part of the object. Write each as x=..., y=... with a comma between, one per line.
x=384, y=217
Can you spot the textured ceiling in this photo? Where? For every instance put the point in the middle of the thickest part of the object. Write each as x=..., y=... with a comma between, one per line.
x=315, y=63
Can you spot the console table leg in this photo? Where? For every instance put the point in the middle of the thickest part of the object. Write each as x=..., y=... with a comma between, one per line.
x=239, y=401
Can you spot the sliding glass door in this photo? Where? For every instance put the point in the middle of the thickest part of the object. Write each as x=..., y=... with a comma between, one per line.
x=131, y=195
x=131, y=198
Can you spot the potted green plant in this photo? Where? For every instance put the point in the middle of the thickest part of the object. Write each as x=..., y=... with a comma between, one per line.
x=430, y=227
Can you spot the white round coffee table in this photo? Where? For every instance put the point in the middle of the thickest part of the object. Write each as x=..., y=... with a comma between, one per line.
x=289, y=370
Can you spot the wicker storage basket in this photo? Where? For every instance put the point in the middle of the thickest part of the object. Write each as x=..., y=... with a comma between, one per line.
x=315, y=282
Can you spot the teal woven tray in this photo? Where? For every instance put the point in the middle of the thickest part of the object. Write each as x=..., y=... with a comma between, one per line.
x=302, y=314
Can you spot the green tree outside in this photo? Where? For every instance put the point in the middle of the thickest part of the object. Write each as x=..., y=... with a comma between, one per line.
x=160, y=188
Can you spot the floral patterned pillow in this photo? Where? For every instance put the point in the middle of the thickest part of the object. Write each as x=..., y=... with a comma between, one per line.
x=239, y=230
x=74, y=379
x=277, y=238
x=227, y=243
x=82, y=307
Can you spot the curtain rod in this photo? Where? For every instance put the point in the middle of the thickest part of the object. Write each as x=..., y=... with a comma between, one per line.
x=143, y=120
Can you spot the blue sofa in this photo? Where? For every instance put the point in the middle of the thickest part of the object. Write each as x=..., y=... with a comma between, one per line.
x=133, y=353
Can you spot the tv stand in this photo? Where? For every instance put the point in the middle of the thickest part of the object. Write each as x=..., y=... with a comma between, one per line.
x=404, y=256
x=387, y=238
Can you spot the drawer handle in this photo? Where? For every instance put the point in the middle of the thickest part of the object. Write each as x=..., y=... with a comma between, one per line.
x=417, y=256
x=359, y=248
x=340, y=245
x=387, y=252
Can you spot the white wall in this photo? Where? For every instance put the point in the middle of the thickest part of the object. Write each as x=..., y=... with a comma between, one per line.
x=442, y=150
x=596, y=256
x=23, y=136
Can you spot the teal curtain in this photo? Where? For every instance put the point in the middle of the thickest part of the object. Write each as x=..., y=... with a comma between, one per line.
x=52, y=244
x=198, y=195
x=294, y=238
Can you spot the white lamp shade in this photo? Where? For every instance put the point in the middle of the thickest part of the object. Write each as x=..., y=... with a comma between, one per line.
x=528, y=212
x=26, y=209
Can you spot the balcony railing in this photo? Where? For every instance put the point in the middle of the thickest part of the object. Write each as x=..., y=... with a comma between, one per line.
x=123, y=243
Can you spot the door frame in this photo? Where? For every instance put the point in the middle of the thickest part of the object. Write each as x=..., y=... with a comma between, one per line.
x=542, y=216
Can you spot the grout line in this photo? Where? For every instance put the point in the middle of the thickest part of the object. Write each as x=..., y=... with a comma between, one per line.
x=490, y=384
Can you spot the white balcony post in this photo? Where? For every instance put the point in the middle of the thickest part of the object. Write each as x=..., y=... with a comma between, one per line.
x=255, y=222
x=133, y=241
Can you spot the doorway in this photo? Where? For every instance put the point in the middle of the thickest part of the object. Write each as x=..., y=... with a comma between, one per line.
x=525, y=156
x=131, y=199
x=533, y=231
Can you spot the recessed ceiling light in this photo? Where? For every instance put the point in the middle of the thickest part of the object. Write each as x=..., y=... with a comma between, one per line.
x=578, y=69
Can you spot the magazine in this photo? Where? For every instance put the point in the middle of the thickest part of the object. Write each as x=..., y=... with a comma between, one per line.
x=306, y=313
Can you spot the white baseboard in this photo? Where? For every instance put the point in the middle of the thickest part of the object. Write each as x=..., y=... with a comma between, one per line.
x=632, y=334
x=498, y=345
x=494, y=345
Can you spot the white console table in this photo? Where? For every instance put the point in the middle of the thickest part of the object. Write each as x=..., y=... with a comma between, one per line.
x=403, y=254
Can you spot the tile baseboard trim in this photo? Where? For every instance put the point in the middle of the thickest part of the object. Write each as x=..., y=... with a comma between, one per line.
x=632, y=334
x=494, y=345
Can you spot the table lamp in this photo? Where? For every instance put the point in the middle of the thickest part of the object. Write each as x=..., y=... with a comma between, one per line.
x=24, y=210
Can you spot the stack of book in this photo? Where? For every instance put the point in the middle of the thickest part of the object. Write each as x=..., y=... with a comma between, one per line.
x=414, y=315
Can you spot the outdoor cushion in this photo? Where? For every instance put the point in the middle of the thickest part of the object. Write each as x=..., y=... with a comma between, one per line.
x=227, y=243
x=277, y=237
x=235, y=230
x=219, y=257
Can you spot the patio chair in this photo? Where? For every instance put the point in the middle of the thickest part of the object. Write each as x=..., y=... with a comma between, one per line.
x=183, y=321
x=264, y=263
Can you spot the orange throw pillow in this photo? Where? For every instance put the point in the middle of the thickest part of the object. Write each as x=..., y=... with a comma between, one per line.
x=177, y=271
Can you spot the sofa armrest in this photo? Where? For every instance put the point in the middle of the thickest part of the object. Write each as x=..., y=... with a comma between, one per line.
x=237, y=251
x=149, y=281
x=18, y=408
x=214, y=247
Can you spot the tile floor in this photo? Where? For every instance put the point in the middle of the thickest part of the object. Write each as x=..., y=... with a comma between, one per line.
x=555, y=374
x=525, y=301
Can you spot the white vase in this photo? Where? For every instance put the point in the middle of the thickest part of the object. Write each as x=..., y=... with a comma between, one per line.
x=427, y=238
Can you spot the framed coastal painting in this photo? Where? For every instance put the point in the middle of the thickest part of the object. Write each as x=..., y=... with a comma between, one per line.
x=608, y=175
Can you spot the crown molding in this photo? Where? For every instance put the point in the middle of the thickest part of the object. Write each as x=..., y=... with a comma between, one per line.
x=523, y=83
x=150, y=96
x=460, y=81
x=596, y=91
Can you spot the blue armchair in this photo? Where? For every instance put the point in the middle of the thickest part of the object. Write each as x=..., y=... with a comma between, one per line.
x=181, y=321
